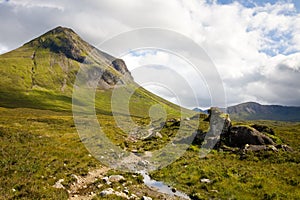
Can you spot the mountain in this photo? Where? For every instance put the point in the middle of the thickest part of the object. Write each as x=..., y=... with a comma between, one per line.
x=256, y=111
x=52, y=60
x=41, y=74
x=200, y=110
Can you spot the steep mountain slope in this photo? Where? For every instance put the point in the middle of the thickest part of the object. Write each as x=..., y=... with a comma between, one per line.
x=51, y=62
x=255, y=111
x=42, y=72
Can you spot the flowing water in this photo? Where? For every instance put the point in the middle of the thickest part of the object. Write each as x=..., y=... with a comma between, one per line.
x=161, y=187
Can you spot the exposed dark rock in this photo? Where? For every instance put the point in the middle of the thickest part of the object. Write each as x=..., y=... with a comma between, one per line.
x=200, y=136
x=262, y=128
x=219, y=122
x=239, y=136
x=120, y=66
x=222, y=135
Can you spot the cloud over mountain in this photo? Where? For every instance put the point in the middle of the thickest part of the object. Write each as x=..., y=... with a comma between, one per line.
x=254, y=46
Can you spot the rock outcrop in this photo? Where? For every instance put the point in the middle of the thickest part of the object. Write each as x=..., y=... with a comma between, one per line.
x=239, y=136
x=222, y=134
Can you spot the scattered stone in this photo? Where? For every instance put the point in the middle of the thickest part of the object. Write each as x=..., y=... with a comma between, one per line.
x=126, y=191
x=105, y=179
x=257, y=148
x=106, y=192
x=58, y=184
x=172, y=120
x=146, y=198
x=273, y=148
x=229, y=149
x=173, y=190
x=284, y=147
x=133, y=196
x=157, y=135
x=116, y=178
x=75, y=177
x=121, y=194
x=143, y=163
x=205, y=180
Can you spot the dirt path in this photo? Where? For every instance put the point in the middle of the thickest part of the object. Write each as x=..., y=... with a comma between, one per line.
x=83, y=182
x=81, y=190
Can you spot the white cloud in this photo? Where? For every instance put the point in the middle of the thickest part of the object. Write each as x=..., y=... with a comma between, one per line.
x=3, y=49
x=251, y=47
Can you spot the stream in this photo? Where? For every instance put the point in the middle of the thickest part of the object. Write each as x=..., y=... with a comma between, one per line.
x=161, y=187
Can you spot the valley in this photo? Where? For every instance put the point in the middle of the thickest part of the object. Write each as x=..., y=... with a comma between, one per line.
x=44, y=156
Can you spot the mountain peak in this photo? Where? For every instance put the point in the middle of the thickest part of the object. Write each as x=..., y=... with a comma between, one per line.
x=52, y=60
x=63, y=40
x=60, y=29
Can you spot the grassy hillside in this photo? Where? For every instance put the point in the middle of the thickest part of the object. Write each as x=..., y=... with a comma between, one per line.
x=39, y=143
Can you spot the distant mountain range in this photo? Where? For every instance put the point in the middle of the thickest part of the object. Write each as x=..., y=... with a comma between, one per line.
x=200, y=110
x=256, y=111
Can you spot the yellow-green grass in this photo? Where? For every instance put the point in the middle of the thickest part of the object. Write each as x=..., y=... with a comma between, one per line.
x=264, y=175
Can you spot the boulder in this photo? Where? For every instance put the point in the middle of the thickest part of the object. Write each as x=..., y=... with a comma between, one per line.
x=239, y=136
x=106, y=192
x=58, y=184
x=116, y=178
x=263, y=128
x=219, y=122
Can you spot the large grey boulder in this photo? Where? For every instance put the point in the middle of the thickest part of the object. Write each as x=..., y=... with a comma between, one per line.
x=239, y=136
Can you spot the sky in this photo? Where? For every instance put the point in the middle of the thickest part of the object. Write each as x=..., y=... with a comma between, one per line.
x=254, y=44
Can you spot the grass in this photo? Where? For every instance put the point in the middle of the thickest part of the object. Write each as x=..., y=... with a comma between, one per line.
x=264, y=175
x=39, y=147
x=39, y=143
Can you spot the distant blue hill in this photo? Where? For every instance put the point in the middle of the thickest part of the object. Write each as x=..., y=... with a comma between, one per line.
x=256, y=111
x=200, y=110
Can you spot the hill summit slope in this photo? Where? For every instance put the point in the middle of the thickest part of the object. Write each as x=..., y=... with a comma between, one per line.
x=41, y=74
x=52, y=60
